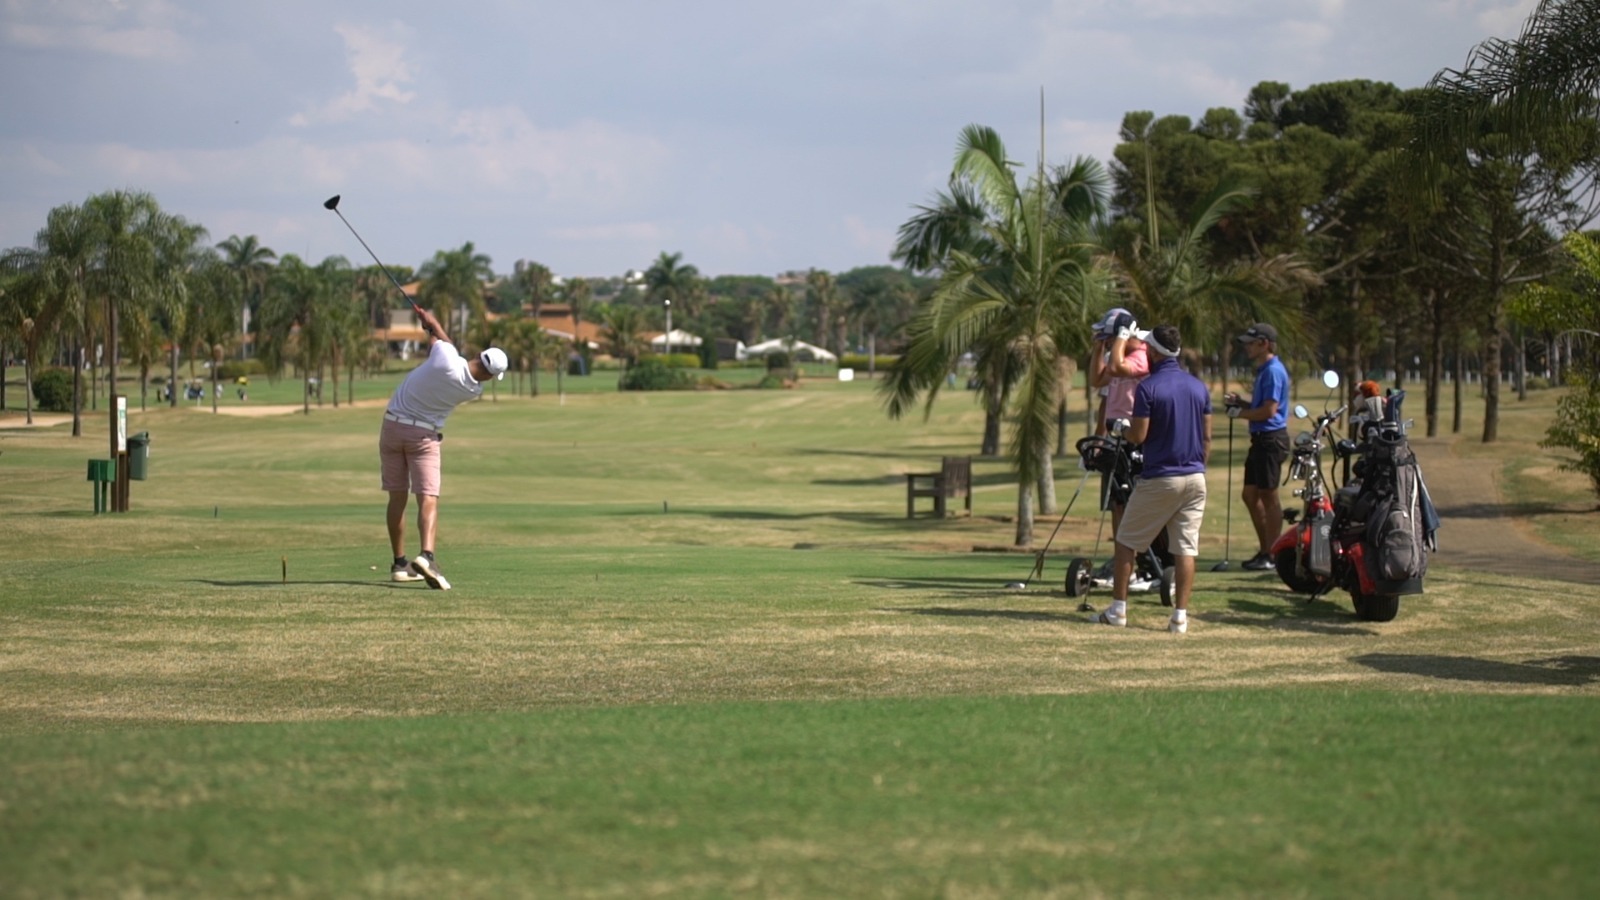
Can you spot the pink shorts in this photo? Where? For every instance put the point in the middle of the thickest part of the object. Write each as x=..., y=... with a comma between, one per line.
x=410, y=457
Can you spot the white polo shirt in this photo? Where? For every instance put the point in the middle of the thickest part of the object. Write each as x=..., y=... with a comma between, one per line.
x=436, y=387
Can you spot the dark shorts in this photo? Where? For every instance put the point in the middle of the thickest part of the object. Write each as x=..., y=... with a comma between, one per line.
x=1263, y=465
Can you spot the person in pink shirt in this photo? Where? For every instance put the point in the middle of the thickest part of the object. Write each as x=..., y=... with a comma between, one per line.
x=1122, y=362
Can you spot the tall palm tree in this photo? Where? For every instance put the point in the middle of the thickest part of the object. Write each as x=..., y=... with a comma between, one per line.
x=667, y=279
x=578, y=293
x=1544, y=78
x=23, y=308
x=210, y=294
x=296, y=316
x=823, y=292
x=1018, y=280
x=536, y=280
x=455, y=279
x=623, y=333
x=130, y=225
x=53, y=276
x=250, y=262
x=1165, y=277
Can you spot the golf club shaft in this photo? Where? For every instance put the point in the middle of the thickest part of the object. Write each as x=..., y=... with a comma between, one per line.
x=1038, y=561
x=1227, y=539
x=392, y=280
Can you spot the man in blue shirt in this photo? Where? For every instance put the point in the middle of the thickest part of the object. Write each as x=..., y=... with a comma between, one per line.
x=1267, y=413
x=1172, y=419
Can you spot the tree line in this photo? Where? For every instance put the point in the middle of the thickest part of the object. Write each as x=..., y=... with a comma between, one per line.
x=1380, y=230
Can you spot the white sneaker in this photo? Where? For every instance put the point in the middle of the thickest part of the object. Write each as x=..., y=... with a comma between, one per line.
x=1106, y=618
x=429, y=570
x=1140, y=584
x=1176, y=627
x=402, y=572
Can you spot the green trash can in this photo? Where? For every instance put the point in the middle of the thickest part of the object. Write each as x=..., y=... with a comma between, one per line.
x=139, y=455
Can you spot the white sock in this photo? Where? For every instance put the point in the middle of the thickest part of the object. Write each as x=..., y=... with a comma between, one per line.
x=1119, y=608
x=1180, y=616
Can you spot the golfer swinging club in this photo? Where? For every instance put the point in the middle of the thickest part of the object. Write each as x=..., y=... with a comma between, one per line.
x=408, y=445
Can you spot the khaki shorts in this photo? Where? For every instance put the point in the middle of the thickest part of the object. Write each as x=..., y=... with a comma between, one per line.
x=1176, y=504
x=410, y=455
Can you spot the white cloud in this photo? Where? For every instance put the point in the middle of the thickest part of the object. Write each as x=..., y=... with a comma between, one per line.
x=608, y=232
x=378, y=60
x=878, y=241
x=136, y=29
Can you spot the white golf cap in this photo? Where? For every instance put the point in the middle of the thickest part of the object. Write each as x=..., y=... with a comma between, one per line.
x=494, y=359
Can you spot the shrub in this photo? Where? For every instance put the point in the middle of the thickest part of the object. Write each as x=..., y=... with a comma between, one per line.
x=652, y=374
x=777, y=359
x=1538, y=383
x=52, y=390
x=708, y=355
x=771, y=381
x=1577, y=428
x=860, y=362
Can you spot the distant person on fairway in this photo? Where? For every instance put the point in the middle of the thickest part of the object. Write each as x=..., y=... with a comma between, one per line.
x=1172, y=419
x=409, y=444
x=1267, y=411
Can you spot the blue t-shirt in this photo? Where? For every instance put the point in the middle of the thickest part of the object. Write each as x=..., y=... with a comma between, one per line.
x=1176, y=403
x=1272, y=383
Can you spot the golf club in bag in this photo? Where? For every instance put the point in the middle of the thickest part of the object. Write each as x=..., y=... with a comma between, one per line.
x=1038, y=558
x=332, y=203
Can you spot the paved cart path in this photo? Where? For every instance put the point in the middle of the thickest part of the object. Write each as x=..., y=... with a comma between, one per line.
x=1476, y=531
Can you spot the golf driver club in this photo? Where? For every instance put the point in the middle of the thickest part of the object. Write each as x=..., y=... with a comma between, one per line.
x=1227, y=540
x=1038, y=559
x=332, y=203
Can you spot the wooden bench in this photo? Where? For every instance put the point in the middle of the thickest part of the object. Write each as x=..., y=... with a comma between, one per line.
x=954, y=479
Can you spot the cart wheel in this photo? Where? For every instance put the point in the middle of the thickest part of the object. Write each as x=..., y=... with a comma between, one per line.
x=1375, y=607
x=1167, y=579
x=1079, y=574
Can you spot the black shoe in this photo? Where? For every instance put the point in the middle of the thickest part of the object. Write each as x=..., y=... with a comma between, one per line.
x=1261, y=562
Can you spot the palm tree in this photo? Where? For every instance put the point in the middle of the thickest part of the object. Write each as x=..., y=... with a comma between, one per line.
x=536, y=280
x=1018, y=280
x=822, y=290
x=1545, y=78
x=578, y=293
x=667, y=280
x=623, y=334
x=297, y=317
x=53, y=279
x=23, y=306
x=250, y=262
x=1171, y=281
x=453, y=279
x=130, y=226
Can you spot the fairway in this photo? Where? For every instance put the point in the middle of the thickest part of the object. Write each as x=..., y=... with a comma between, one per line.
x=696, y=648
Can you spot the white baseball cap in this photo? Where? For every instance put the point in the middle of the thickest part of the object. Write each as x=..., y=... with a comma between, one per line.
x=494, y=359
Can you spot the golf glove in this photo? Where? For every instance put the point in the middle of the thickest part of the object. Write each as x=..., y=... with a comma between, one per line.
x=1233, y=411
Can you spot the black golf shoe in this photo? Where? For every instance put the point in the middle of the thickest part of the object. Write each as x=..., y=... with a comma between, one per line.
x=1261, y=562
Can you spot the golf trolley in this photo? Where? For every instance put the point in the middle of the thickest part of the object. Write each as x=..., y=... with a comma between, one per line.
x=1120, y=463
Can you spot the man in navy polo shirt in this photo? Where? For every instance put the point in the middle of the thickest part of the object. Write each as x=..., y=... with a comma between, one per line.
x=1268, y=415
x=1172, y=419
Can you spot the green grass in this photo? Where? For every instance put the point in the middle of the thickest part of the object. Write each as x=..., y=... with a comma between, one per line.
x=1011, y=796
x=696, y=649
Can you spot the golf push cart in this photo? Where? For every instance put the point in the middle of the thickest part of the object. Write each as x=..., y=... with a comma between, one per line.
x=1120, y=463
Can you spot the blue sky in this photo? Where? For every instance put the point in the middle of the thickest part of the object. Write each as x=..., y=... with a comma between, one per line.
x=753, y=137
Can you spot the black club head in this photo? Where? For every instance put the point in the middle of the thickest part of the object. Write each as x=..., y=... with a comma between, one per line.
x=331, y=202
